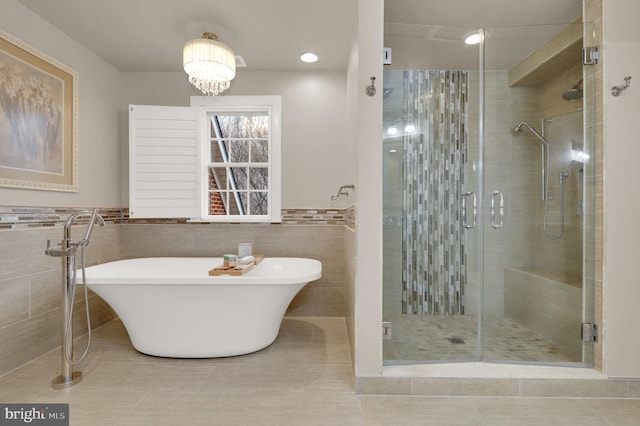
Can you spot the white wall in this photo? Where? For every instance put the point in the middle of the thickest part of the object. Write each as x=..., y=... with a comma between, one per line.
x=314, y=125
x=621, y=288
x=98, y=137
x=368, y=276
x=315, y=164
x=314, y=132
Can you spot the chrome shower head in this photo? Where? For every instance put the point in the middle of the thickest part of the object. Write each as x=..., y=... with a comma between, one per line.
x=518, y=129
x=573, y=94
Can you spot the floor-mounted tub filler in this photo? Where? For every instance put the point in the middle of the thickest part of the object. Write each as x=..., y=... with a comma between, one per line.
x=171, y=307
x=71, y=253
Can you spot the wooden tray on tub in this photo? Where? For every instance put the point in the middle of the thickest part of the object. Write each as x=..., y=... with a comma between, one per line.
x=237, y=270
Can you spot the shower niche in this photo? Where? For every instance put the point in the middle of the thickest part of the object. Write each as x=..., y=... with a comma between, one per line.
x=489, y=232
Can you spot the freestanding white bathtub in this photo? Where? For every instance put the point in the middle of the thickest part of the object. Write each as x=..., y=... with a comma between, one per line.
x=171, y=307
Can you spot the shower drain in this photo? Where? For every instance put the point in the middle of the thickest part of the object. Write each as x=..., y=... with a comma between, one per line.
x=455, y=340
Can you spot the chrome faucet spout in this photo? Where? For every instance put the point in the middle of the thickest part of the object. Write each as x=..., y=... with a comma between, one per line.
x=93, y=215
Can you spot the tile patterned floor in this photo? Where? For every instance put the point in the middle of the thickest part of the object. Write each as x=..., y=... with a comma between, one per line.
x=423, y=338
x=304, y=378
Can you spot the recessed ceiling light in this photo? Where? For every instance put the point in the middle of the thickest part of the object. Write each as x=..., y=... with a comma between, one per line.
x=472, y=38
x=308, y=57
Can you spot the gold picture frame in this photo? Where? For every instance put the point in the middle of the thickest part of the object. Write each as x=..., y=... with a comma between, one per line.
x=38, y=119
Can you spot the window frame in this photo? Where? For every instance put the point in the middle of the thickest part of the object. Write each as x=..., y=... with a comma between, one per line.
x=271, y=105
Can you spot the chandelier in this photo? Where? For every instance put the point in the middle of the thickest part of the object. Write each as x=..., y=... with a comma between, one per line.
x=211, y=65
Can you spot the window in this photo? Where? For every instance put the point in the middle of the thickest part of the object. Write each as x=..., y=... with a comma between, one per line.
x=238, y=159
x=239, y=164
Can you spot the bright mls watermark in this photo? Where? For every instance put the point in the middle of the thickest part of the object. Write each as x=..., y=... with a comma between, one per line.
x=34, y=414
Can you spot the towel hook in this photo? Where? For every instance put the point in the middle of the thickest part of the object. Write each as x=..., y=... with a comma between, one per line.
x=371, y=89
x=616, y=90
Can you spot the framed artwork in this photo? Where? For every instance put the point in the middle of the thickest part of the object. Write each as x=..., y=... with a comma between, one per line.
x=38, y=119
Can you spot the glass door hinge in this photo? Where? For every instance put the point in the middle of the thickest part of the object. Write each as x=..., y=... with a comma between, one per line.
x=590, y=55
x=386, y=56
x=386, y=330
x=589, y=332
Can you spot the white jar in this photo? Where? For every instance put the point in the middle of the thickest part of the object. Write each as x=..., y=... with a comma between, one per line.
x=245, y=249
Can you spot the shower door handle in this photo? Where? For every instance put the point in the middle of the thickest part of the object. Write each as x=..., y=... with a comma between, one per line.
x=474, y=211
x=495, y=225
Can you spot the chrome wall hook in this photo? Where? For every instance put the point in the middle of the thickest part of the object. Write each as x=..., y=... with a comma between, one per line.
x=616, y=90
x=371, y=89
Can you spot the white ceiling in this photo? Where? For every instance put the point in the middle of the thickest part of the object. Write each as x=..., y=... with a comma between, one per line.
x=148, y=35
x=482, y=13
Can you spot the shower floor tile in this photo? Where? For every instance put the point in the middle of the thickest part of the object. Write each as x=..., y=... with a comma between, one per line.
x=420, y=338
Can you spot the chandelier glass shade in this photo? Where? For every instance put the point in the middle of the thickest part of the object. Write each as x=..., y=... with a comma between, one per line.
x=210, y=64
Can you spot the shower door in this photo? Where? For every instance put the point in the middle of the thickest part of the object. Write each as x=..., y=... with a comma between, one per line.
x=488, y=232
x=537, y=202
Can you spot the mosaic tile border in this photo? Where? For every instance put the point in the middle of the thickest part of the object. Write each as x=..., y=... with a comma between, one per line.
x=350, y=217
x=42, y=217
x=14, y=218
x=313, y=216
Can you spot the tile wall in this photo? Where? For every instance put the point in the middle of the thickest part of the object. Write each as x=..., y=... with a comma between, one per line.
x=595, y=236
x=550, y=307
x=513, y=387
x=30, y=281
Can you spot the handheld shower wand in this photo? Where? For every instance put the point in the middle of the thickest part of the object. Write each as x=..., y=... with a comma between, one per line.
x=94, y=216
x=517, y=130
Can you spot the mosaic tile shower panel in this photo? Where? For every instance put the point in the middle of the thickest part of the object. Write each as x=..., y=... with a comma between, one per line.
x=433, y=252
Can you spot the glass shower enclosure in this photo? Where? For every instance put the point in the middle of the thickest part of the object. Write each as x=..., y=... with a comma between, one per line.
x=488, y=199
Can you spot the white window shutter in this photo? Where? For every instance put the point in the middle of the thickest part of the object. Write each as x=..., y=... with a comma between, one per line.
x=164, y=164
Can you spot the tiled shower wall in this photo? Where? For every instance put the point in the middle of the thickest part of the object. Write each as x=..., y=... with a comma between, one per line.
x=30, y=281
